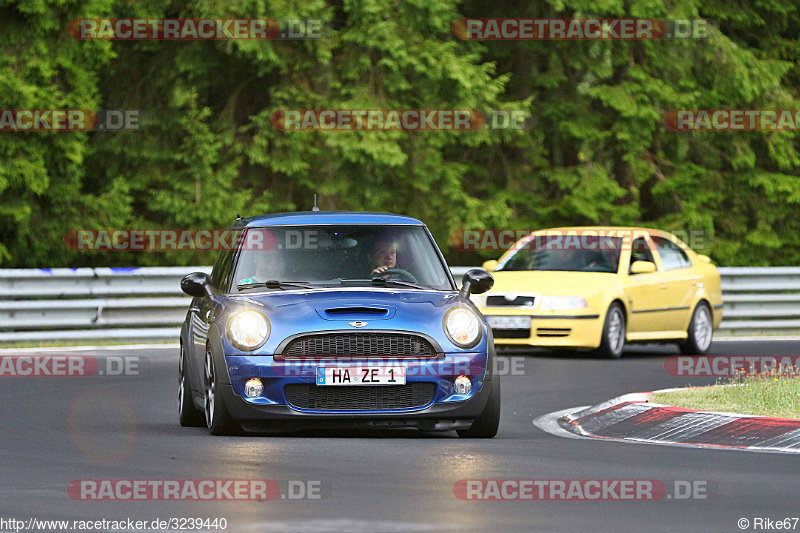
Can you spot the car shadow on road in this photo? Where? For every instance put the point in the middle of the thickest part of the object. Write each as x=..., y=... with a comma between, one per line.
x=171, y=430
x=635, y=351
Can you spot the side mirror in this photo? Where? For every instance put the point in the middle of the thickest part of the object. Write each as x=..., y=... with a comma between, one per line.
x=490, y=265
x=642, y=267
x=704, y=258
x=476, y=281
x=196, y=284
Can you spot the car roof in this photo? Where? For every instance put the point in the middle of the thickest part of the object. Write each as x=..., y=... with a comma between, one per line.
x=636, y=231
x=303, y=218
x=602, y=228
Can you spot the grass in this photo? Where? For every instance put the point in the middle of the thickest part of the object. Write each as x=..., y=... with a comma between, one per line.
x=776, y=395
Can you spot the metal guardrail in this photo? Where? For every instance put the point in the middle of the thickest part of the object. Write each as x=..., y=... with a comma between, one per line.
x=92, y=303
x=760, y=301
x=146, y=303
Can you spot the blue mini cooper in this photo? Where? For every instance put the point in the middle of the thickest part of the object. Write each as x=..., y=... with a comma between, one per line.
x=336, y=320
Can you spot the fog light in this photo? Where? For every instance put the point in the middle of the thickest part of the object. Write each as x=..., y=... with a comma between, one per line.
x=253, y=388
x=463, y=385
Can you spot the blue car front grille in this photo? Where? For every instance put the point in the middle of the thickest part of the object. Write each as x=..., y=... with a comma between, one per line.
x=359, y=398
x=358, y=344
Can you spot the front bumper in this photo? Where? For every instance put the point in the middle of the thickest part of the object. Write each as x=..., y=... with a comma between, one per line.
x=560, y=330
x=272, y=412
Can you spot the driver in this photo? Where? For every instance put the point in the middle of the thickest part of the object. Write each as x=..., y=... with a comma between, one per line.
x=382, y=259
x=382, y=256
x=260, y=272
x=567, y=259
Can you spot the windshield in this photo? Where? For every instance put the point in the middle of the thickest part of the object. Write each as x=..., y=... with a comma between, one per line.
x=334, y=256
x=587, y=254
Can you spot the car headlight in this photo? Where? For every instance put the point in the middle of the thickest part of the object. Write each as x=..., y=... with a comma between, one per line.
x=248, y=330
x=463, y=327
x=560, y=303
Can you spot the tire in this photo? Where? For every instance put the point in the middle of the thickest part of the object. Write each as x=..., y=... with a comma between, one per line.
x=613, y=341
x=701, y=329
x=188, y=414
x=218, y=420
x=486, y=425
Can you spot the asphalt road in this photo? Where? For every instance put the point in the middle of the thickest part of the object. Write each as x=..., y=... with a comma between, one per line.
x=125, y=427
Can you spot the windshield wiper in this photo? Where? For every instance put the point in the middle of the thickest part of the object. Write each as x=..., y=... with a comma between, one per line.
x=384, y=282
x=275, y=284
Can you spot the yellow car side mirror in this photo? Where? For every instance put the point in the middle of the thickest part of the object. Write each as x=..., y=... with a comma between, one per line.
x=704, y=258
x=489, y=266
x=642, y=267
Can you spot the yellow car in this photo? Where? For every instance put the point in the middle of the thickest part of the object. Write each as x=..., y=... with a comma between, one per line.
x=600, y=287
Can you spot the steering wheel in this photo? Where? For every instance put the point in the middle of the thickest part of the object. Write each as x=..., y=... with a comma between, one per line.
x=397, y=274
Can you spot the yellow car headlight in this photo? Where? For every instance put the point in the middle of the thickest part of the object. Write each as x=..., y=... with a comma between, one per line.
x=463, y=327
x=248, y=330
x=561, y=303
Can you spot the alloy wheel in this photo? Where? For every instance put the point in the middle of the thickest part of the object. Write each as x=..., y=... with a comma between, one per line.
x=210, y=386
x=616, y=330
x=702, y=328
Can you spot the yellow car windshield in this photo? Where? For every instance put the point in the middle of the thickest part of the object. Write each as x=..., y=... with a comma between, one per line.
x=600, y=254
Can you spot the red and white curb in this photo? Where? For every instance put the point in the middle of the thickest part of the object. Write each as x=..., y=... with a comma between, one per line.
x=632, y=418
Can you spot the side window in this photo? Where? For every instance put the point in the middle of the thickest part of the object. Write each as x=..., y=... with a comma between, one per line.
x=222, y=270
x=672, y=256
x=640, y=251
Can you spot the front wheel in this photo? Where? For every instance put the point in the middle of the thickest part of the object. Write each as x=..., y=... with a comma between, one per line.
x=701, y=330
x=486, y=425
x=218, y=420
x=188, y=414
x=613, y=341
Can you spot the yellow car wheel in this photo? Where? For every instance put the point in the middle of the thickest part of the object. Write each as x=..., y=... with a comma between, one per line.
x=700, y=331
x=613, y=341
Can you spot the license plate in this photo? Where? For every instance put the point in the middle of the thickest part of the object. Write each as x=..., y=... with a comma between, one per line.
x=509, y=322
x=361, y=375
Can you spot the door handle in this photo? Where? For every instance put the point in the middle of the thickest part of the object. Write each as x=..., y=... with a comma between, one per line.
x=664, y=286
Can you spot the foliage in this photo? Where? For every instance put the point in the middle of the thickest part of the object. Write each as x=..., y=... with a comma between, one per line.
x=599, y=152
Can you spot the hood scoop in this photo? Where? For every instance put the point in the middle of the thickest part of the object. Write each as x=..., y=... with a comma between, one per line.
x=357, y=312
